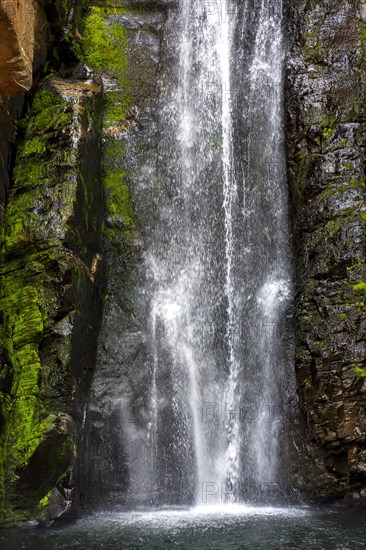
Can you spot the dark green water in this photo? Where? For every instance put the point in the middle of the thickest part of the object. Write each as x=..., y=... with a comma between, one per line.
x=201, y=529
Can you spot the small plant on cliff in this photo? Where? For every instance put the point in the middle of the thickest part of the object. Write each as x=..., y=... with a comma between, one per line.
x=328, y=133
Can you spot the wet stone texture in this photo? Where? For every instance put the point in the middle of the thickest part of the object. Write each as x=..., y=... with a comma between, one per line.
x=326, y=138
x=10, y=111
x=31, y=34
x=129, y=68
x=49, y=297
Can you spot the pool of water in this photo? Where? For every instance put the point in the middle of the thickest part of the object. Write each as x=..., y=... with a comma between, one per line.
x=229, y=528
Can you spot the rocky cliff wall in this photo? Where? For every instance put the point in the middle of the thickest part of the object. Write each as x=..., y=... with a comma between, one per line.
x=77, y=152
x=35, y=36
x=24, y=32
x=50, y=296
x=130, y=72
x=326, y=138
x=51, y=291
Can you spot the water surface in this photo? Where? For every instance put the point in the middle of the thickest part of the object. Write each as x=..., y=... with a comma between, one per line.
x=210, y=527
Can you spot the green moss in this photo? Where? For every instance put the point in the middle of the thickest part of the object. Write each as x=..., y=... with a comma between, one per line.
x=328, y=125
x=104, y=42
x=105, y=49
x=330, y=192
x=360, y=286
x=35, y=146
x=333, y=226
x=305, y=162
x=45, y=500
x=115, y=107
x=39, y=220
x=360, y=371
x=22, y=330
x=112, y=152
x=312, y=46
x=39, y=154
x=118, y=201
x=48, y=111
x=25, y=313
x=327, y=133
x=307, y=384
x=44, y=159
x=357, y=183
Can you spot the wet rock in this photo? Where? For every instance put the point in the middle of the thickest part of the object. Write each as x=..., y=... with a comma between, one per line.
x=325, y=107
x=51, y=297
x=10, y=111
x=363, y=12
x=121, y=385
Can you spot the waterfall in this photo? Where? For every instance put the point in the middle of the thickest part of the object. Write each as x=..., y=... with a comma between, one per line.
x=219, y=255
x=187, y=281
x=212, y=390
x=265, y=278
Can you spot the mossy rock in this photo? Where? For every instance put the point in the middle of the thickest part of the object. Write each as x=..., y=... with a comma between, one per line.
x=50, y=237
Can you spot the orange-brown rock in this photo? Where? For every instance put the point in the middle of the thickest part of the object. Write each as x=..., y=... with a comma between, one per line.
x=23, y=35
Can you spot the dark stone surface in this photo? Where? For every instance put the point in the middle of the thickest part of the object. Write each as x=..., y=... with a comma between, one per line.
x=123, y=372
x=325, y=109
x=10, y=111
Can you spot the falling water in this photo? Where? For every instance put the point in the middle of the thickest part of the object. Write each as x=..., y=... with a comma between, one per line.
x=219, y=254
x=187, y=278
x=266, y=269
x=217, y=266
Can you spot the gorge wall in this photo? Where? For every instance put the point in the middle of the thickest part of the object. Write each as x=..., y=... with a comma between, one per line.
x=71, y=149
x=132, y=191
x=51, y=276
x=325, y=105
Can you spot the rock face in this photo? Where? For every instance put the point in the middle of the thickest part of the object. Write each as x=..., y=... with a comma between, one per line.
x=128, y=40
x=326, y=141
x=50, y=297
x=28, y=29
x=10, y=111
x=24, y=40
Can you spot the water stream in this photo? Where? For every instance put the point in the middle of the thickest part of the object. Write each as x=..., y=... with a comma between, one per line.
x=211, y=424
x=219, y=259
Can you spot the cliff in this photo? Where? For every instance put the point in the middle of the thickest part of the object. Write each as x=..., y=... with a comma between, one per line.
x=325, y=108
x=51, y=279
